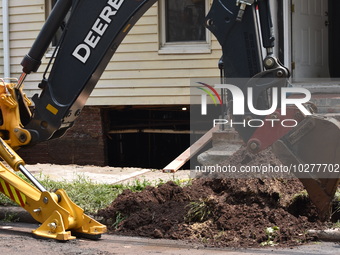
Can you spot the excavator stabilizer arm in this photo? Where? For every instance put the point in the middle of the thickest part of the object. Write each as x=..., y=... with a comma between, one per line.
x=58, y=215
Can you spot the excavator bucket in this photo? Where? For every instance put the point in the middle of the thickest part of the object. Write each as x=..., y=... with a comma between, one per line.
x=312, y=153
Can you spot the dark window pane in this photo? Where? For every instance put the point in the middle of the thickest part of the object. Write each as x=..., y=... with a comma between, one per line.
x=185, y=20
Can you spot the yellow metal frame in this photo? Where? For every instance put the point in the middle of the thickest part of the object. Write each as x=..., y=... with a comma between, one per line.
x=11, y=129
x=55, y=211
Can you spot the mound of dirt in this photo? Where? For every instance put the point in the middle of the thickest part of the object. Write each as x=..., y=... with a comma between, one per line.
x=217, y=212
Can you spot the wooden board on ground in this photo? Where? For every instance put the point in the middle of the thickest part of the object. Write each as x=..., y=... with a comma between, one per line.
x=191, y=151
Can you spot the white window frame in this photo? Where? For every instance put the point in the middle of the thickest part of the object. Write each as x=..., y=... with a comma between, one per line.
x=194, y=47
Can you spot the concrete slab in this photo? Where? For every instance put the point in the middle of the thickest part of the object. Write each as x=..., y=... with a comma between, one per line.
x=225, y=144
x=109, y=175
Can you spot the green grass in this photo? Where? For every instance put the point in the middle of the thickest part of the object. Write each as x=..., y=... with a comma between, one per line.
x=336, y=201
x=271, y=233
x=200, y=211
x=337, y=196
x=87, y=194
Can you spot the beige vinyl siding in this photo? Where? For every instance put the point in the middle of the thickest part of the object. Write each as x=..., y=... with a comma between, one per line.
x=137, y=73
x=26, y=19
x=1, y=44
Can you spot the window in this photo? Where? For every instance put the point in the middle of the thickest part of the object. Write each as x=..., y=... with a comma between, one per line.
x=182, y=27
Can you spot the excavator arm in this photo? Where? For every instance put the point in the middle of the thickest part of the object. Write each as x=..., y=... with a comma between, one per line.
x=311, y=148
x=90, y=38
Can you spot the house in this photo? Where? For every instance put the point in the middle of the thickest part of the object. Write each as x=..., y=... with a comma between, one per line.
x=138, y=113
x=311, y=38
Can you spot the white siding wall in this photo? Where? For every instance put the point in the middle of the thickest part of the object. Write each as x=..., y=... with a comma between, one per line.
x=1, y=44
x=26, y=19
x=137, y=74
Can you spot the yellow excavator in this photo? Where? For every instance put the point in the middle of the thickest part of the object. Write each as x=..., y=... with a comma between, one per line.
x=91, y=35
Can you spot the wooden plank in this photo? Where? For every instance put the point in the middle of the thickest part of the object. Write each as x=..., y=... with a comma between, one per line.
x=191, y=151
x=149, y=131
x=152, y=131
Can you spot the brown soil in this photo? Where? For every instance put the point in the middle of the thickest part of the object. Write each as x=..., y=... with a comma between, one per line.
x=218, y=212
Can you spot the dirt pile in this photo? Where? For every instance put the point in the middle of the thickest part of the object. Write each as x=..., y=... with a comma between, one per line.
x=218, y=212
